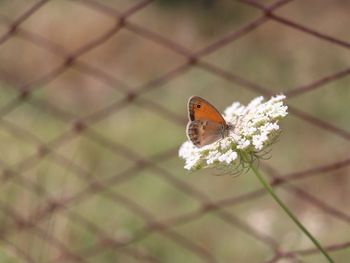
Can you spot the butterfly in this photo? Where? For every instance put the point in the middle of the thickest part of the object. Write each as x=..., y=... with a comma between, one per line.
x=206, y=125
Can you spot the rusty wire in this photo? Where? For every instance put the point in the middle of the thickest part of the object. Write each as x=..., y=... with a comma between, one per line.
x=82, y=126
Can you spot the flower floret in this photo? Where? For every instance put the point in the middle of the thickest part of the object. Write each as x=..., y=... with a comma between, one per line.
x=255, y=127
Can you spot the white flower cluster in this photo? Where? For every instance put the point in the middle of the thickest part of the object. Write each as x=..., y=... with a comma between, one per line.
x=255, y=127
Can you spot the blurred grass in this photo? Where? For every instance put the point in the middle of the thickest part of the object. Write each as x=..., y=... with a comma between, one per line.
x=274, y=56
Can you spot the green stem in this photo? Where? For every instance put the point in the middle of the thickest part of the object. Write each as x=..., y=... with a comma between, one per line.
x=289, y=213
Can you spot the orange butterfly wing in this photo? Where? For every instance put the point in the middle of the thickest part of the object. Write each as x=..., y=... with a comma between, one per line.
x=200, y=109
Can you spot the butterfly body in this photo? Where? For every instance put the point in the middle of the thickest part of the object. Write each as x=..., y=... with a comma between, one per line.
x=206, y=125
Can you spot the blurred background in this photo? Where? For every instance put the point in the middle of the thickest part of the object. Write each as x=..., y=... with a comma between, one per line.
x=93, y=111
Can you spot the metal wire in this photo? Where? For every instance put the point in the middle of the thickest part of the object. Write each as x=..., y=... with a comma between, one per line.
x=84, y=126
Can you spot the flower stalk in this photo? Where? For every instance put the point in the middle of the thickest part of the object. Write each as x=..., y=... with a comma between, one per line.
x=270, y=190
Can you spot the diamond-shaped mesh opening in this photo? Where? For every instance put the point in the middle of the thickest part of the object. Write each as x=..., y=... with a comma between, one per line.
x=89, y=160
x=319, y=102
x=224, y=237
x=199, y=29
x=153, y=200
x=71, y=33
x=78, y=94
x=34, y=120
x=286, y=59
x=19, y=57
x=124, y=222
x=56, y=179
x=129, y=123
x=303, y=156
x=309, y=15
x=144, y=61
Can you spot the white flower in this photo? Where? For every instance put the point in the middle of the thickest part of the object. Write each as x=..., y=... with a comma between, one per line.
x=255, y=127
x=228, y=157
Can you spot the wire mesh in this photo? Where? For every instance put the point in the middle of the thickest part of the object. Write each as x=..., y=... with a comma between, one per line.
x=72, y=213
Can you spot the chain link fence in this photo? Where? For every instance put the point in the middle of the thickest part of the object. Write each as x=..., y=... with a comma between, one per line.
x=93, y=111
